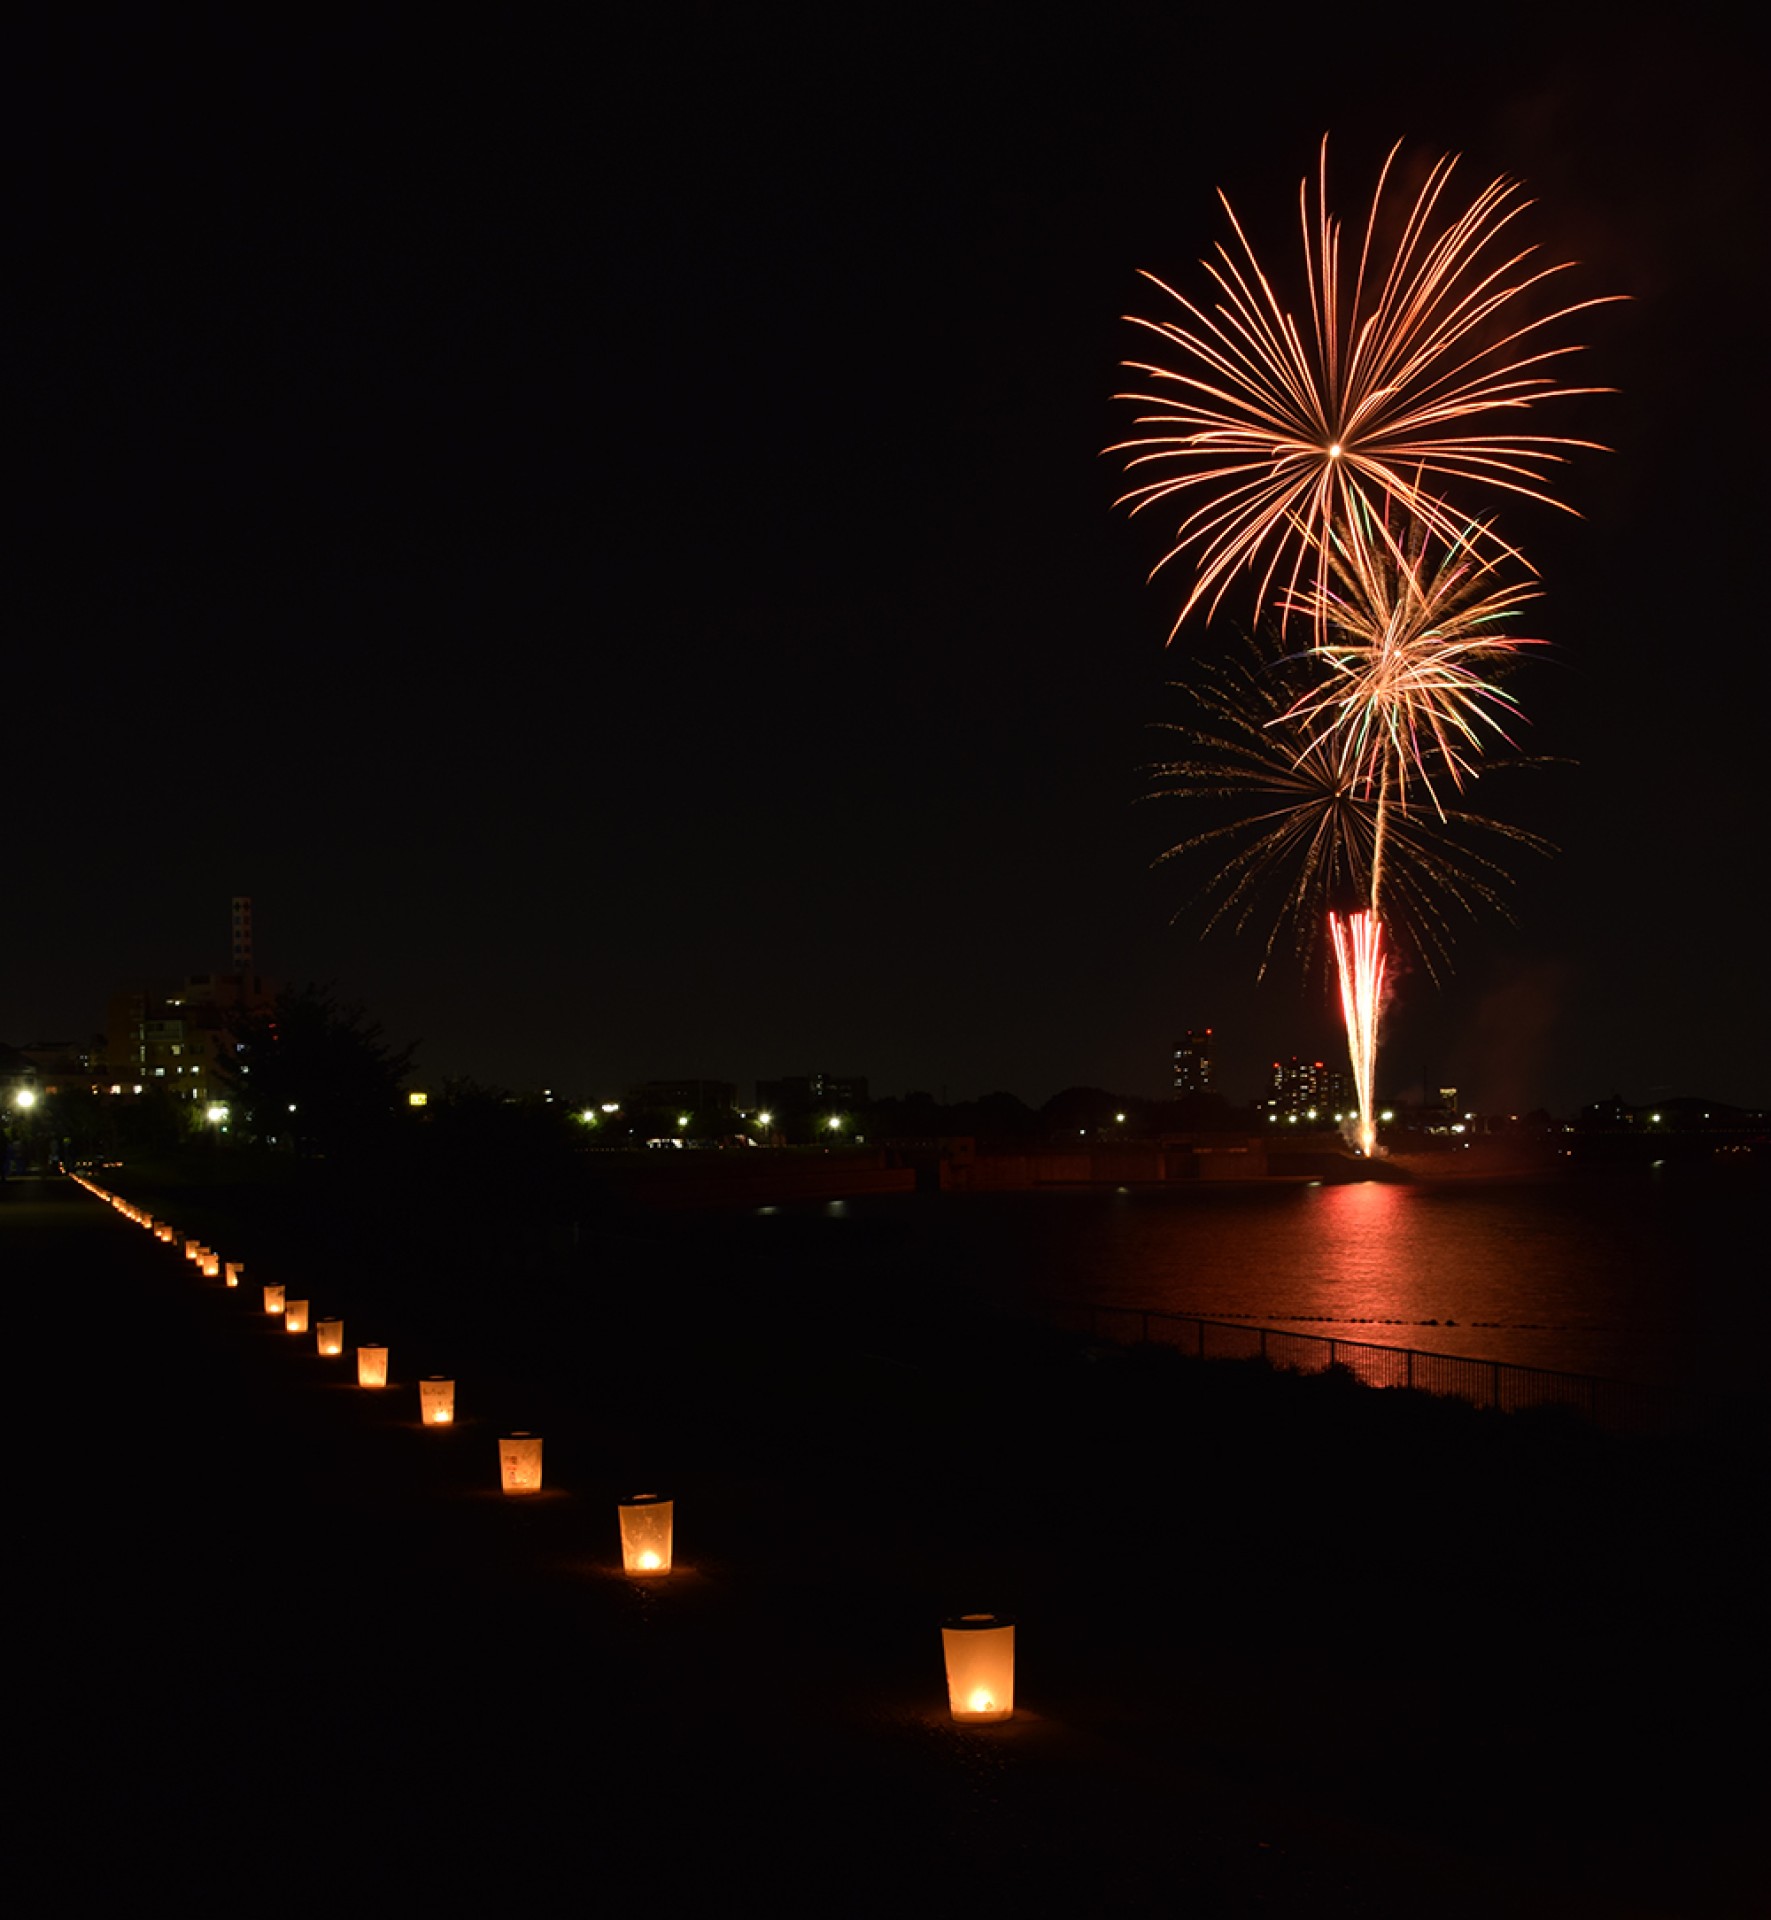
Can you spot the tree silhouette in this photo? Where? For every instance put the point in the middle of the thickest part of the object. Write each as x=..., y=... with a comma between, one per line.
x=314, y=1073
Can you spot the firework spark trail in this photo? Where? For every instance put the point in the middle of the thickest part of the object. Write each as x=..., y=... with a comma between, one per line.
x=1410, y=642
x=1360, y=959
x=1291, y=831
x=1288, y=435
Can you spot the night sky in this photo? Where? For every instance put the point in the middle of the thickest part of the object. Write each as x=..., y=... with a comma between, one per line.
x=602, y=533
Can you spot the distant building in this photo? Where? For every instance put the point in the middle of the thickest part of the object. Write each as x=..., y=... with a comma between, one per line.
x=811, y=1093
x=1192, y=1062
x=1309, y=1089
x=172, y=1035
x=61, y=1060
x=242, y=933
x=693, y=1097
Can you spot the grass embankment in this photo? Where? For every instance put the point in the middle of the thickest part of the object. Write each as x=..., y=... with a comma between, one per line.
x=1287, y=1645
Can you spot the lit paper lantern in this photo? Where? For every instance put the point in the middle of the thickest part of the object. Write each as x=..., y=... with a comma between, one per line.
x=980, y=1650
x=211, y=1266
x=436, y=1401
x=295, y=1316
x=645, y=1533
x=192, y=1249
x=372, y=1366
x=273, y=1299
x=329, y=1335
x=231, y=1272
x=519, y=1463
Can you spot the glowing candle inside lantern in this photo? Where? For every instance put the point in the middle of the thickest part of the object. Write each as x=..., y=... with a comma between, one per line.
x=191, y=1249
x=436, y=1401
x=273, y=1299
x=646, y=1525
x=519, y=1463
x=211, y=1267
x=231, y=1272
x=372, y=1366
x=980, y=1652
x=329, y=1336
x=295, y=1316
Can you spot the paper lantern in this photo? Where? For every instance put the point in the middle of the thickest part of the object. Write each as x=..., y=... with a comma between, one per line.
x=980, y=1650
x=191, y=1249
x=645, y=1533
x=329, y=1336
x=231, y=1272
x=372, y=1366
x=273, y=1299
x=436, y=1401
x=295, y=1316
x=519, y=1463
x=211, y=1266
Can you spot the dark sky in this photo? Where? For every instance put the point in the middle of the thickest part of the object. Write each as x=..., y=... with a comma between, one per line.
x=602, y=534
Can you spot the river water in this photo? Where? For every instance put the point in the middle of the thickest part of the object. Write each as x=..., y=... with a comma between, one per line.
x=1640, y=1276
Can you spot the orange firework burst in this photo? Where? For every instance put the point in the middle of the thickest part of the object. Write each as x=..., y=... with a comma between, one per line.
x=1411, y=640
x=1276, y=436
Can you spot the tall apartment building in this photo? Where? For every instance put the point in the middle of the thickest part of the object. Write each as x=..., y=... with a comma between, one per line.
x=171, y=1035
x=1300, y=1089
x=1192, y=1062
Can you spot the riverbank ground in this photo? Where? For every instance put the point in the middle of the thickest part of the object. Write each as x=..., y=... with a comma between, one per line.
x=1286, y=1646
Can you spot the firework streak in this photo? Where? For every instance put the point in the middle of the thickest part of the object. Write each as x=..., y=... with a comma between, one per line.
x=1359, y=955
x=1323, y=458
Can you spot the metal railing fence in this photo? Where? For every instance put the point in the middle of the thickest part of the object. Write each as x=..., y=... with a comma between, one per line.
x=1617, y=1405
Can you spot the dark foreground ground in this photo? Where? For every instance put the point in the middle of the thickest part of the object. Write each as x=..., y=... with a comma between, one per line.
x=1287, y=1647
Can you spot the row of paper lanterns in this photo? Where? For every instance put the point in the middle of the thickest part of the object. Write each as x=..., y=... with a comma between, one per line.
x=978, y=1648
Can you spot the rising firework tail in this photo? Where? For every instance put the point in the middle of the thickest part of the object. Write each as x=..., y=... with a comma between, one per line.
x=1359, y=956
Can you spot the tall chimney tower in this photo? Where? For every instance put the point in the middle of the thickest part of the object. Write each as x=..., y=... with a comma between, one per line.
x=242, y=933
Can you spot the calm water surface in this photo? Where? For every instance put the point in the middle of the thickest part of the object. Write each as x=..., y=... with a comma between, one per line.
x=1637, y=1277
